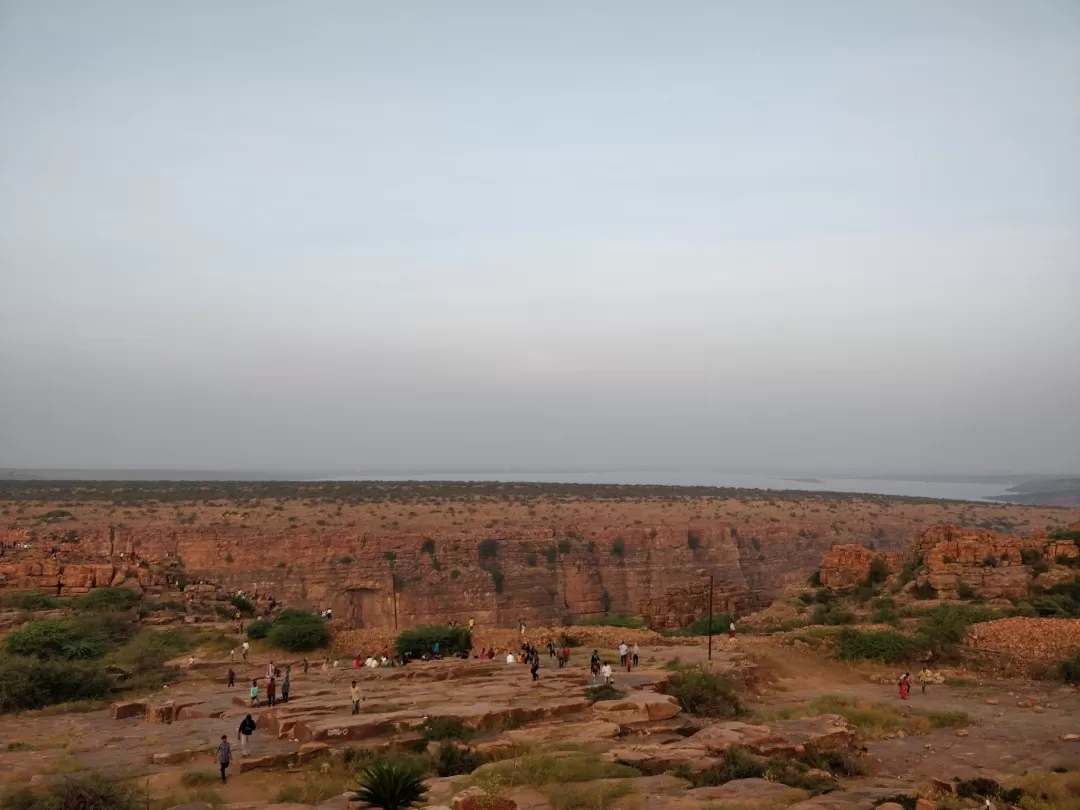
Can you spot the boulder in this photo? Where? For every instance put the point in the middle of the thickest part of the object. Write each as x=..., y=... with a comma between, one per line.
x=123, y=709
x=748, y=793
x=638, y=707
x=311, y=750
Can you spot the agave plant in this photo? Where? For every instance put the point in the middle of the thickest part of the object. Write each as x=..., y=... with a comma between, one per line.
x=390, y=785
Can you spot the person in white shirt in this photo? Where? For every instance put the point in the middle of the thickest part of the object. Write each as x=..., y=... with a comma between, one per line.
x=510, y=659
x=605, y=670
x=246, y=648
x=623, y=650
x=370, y=662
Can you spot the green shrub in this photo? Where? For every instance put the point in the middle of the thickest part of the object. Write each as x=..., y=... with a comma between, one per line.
x=606, y=601
x=603, y=691
x=942, y=629
x=738, y=764
x=531, y=559
x=909, y=572
x=838, y=763
x=551, y=553
x=55, y=639
x=1030, y=556
x=924, y=590
x=453, y=760
x=565, y=545
x=815, y=579
x=85, y=792
x=832, y=615
x=32, y=683
x=428, y=546
x=618, y=548
x=965, y=591
x=259, y=628
x=990, y=561
x=1070, y=670
x=705, y=693
x=488, y=549
x=693, y=540
x=243, y=604
x=147, y=653
x=29, y=600
x=498, y=580
x=390, y=785
x=879, y=571
x=444, y=728
x=884, y=646
x=108, y=599
x=299, y=633
x=419, y=640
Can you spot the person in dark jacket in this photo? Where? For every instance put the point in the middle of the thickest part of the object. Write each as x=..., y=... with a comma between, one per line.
x=243, y=734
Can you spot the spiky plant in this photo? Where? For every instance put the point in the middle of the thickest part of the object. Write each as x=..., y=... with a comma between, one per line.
x=390, y=785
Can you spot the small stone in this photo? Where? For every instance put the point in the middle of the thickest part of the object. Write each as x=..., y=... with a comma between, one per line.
x=1070, y=737
x=992, y=701
x=962, y=732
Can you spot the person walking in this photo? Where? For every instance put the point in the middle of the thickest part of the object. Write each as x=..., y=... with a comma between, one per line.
x=254, y=695
x=232, y=655
x=521, y=626
x=224, y=756
x=924, y=677
x=355, y=696
x=232, y=678
x=286, y=685
x=535, y=667
x=605, y=670
x=306, y=665
x=271, y=691
x=905, y=685
x=243, y=734
x=245, y=648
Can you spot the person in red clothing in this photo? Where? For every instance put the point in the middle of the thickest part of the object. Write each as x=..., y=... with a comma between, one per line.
x=905, y=686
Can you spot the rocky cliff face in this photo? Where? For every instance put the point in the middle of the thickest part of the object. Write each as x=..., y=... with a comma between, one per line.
x=398, y=555
x=952, y=558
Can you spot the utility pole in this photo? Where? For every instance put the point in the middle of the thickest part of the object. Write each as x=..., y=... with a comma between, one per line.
x=710, y=615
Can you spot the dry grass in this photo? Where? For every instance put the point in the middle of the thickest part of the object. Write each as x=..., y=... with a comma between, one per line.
x=872, y=720
x=596, y=796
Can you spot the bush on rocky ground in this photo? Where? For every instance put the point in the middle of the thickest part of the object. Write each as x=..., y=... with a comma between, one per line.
x=741, y=764
x=873, y=645
x=108, y=599
x=82, y=792
x=29, y=600
x=705, y=693
x=420, y=640
x=31, y=683
x=301, y=632
x=604, y=691
x=720, y=624
x=454, y=760
x=390, y=784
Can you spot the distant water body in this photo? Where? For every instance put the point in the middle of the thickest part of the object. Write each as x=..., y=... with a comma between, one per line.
x=962, y=491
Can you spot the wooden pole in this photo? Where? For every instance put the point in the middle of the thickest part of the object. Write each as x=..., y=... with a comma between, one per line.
x=710, y=615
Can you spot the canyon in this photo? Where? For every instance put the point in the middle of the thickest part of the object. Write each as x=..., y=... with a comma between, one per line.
x=385, y=556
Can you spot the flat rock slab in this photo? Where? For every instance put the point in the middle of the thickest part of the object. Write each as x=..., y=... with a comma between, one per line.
x=749, y=792
x=638, y=707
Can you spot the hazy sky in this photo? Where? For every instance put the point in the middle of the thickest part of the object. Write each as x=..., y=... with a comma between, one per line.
x=367, y=235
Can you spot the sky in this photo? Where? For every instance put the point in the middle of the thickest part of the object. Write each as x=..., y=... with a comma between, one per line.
x=354, y=235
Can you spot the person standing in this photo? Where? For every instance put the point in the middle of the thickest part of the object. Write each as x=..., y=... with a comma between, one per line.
x=306, y=665
x=232, y=678
x=731, y=632
x=605, y=670
x=355, y=696
x=232, y=655
x=224, y=756
x=254, y=695
x=905, y=685
x=623, y=650
x=535, y=667
x=286, y=685
x=635, y=654
x=271, y=691
x=924, y=677
x=521, y=627
x=245, y=648
x=243, y=734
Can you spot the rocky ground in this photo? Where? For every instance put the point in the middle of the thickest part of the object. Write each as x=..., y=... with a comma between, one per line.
x=966, y=727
